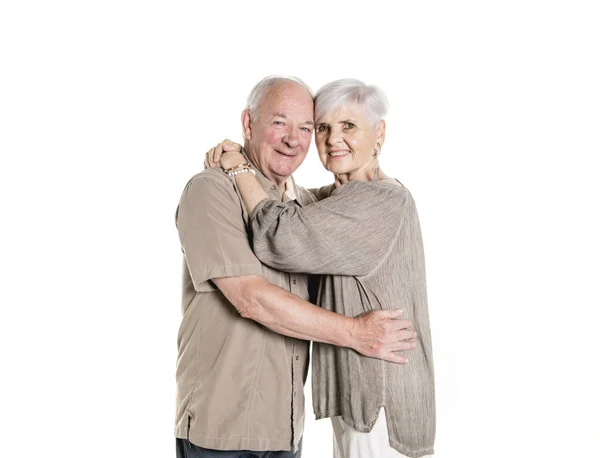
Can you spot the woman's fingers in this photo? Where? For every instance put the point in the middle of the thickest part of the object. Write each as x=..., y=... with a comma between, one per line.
x=218, y=153
x=207, y=159
x=213, y=157
x=228, y=146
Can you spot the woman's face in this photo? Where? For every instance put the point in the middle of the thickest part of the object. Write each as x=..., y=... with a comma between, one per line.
x=346, y=140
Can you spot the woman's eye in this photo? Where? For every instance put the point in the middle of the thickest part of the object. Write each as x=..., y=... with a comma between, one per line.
x=322, y=128
x=349, y=125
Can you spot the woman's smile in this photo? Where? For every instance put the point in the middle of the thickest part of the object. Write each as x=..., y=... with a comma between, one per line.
x=338, y=153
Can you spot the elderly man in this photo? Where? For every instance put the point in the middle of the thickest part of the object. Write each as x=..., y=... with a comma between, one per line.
x=243, y=340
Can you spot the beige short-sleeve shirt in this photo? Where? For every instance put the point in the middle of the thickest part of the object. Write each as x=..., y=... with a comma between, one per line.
x=239, y=384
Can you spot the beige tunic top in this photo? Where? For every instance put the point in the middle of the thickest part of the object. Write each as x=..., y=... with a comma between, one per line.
x=239, y=384
x=366, y=241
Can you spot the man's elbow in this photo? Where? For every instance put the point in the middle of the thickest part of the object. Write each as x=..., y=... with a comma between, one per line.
x=249, y=309
x=255, y=309
x=245, y=295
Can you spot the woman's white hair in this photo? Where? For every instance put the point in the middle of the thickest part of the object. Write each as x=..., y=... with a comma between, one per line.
x=348, y=91
x=259, y=91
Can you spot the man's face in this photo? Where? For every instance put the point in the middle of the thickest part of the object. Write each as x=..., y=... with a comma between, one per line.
x=279, y=136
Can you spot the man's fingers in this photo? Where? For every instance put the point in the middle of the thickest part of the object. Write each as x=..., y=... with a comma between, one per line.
x=402, y=345
x=398, y=325
x=392, y=313
x=395, y=358
x=407, y=334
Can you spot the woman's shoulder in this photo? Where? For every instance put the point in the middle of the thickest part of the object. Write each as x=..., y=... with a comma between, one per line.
x=387, y=188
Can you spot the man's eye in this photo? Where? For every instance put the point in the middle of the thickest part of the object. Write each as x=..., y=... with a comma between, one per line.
x=278, y=123
x=307, y=129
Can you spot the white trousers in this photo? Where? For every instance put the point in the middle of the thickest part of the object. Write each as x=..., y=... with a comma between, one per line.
x=350, y=443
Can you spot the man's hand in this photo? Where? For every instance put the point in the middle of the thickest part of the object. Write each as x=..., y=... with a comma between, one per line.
x=213, y=157
x=382, y=333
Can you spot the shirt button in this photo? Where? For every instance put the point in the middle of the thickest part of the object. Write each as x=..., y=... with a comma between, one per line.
x=297, y=357
x=294, y=281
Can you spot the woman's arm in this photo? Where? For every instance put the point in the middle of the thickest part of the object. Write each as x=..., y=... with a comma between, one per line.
x=348, y=233
x=248, y=186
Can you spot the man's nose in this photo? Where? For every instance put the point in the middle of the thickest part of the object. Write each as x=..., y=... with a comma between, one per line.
x=291, y=138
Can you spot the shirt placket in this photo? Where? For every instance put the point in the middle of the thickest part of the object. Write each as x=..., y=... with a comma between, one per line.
x=273, y=192
x=296, y=370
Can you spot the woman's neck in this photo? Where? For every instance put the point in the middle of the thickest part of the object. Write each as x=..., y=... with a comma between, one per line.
x=372, y=173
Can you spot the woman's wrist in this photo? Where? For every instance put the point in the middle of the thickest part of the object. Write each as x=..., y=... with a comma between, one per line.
x=231, y=160
x=238, y=170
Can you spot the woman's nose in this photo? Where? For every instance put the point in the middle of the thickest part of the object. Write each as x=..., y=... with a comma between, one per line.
x=334, y=137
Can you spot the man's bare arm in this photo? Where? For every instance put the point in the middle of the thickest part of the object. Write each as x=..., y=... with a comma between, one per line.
x=378, y=334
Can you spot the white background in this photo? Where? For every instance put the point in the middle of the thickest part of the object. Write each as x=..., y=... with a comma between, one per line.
x=106, y=109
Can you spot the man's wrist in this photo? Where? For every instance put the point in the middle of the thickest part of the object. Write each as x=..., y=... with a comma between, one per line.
x=350, y=333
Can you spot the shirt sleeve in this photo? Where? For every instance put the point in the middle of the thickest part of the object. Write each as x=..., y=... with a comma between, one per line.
x=212, y=231
x=348, y=233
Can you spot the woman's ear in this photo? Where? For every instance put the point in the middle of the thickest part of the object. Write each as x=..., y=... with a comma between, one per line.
x=246, y=124
x=380, y=132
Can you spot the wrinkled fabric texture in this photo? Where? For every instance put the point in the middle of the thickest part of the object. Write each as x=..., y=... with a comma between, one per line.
x=350, y=443
x=365, y=240
x=240, y=386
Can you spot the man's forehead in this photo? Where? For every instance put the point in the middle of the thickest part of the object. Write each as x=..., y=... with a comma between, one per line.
x=283, y=115
x=288, y=93
x=287, y=100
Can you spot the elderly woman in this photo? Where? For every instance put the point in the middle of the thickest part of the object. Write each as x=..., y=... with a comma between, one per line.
x=363, y=237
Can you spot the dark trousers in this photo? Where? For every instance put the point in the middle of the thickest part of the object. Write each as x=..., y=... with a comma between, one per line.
x=185, y=449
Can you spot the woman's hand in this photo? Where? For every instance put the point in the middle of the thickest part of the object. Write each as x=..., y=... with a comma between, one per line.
x=213, y=157
x=231, y=159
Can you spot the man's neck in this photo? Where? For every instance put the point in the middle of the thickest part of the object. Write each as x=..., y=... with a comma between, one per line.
x=280, y=182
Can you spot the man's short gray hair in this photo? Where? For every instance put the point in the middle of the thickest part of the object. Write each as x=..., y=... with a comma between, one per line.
x=259, y=91
x=352, y=92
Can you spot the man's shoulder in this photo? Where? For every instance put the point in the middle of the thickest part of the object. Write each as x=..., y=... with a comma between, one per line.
x=208, y=177
x=210, y=182
x=209, y=192
x=305, y=196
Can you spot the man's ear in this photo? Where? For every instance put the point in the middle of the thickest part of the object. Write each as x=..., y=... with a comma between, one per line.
x=246, y=124
x=381, y=132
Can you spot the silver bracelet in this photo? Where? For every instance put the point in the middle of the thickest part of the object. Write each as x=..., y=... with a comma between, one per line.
x=244, y=170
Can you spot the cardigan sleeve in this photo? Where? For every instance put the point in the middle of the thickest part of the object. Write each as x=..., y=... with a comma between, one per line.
x=348, y=233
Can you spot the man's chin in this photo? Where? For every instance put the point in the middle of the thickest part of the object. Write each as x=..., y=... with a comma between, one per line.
x=285, y=170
